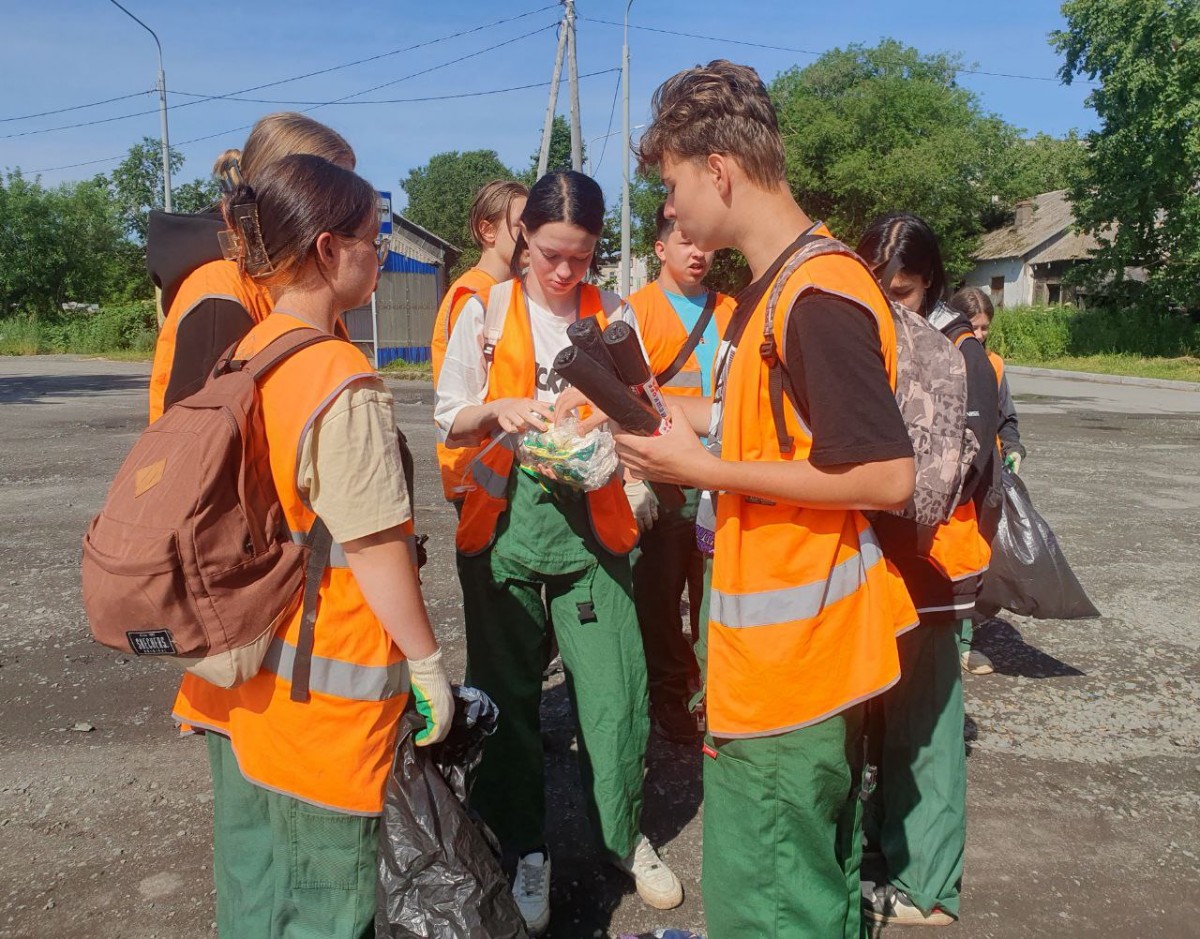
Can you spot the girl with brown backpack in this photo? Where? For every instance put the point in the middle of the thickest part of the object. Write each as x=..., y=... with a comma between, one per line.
x=298, y=778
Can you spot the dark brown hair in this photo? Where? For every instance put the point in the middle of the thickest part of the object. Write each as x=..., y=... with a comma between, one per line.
x=297, y=198
x=972, y=302
x=281, y=134
x=663, y=226
x=902, y=241
x=562, y=196
x=491, y=204
x=716, y=108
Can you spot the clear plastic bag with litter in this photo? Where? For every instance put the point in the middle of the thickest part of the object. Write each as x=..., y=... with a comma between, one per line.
x=562, y=456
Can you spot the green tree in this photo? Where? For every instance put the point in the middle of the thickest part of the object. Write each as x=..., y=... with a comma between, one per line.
x=1139, y=193
x=196, y=196
x=63, y=244
x=440, y=194
x=873, y=130
x=560, y=150
x=137, y=184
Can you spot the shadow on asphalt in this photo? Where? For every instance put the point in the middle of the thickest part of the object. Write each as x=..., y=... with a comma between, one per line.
x=1003, y=643
x=30, y=389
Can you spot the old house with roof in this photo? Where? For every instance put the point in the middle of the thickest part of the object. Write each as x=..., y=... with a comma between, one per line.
x=1024, y=263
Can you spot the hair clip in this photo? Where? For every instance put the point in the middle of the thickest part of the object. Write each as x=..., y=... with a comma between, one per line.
x=251, y=250
x=231, y=176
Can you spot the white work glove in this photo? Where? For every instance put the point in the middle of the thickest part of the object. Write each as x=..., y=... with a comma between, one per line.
x=434, y=700
x=644, y=503
x=1013, y=462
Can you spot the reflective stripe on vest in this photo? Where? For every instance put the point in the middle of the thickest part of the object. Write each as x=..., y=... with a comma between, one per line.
x=338, y=678
x=787, y=604
x=337, y=554
x=684, y=379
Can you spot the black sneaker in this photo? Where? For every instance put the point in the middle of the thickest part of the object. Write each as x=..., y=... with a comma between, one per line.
x=889, y=905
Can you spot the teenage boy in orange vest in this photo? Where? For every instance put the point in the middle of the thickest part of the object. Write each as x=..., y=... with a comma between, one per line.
x=681, y=321
x=804, y=608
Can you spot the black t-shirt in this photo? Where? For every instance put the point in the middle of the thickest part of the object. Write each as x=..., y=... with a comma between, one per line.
x=836, y=370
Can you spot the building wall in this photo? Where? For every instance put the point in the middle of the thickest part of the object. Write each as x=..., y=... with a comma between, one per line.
x=1018, y=279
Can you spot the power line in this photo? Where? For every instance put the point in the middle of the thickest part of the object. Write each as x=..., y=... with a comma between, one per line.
x=608, y=133
x=79, y=107
x=464, y=94
x=425, y=71
x=282, y=81
x=763, y=45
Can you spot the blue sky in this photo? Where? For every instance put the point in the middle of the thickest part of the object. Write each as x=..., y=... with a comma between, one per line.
x=60, y=53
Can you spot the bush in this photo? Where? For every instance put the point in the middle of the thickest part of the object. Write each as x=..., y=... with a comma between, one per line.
x=130, y=327
x=20, y=334
x=1042, y=333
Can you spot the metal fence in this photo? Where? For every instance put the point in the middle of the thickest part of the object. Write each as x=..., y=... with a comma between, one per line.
x=401, y=324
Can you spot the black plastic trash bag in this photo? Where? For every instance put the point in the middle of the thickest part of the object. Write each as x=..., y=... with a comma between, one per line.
x=1029, y=574
x=439, y=867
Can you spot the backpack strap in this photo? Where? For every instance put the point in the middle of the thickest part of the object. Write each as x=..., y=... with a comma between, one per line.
x=693, y=340
x=319, y=543
x=811, y=246
x=498, y=299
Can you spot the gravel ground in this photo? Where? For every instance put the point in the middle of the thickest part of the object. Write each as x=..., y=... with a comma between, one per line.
x=1084, y=749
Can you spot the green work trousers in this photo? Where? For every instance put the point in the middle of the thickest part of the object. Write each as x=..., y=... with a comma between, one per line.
x=667, y=562
x=507, y=608
x=700, y=649
x=284, y=868
x=782, y=833
x=921, y=802
x=965, y=635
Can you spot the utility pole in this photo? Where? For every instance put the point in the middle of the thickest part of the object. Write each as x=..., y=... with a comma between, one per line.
x=548, y=126
x=623, y=280
x=573, y=73
x=162, y=108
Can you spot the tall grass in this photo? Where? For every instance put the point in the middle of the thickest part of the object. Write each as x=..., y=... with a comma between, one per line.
x=130, y=327
x=1043, y=333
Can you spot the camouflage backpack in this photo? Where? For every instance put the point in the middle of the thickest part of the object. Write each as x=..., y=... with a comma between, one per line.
x=931, y=390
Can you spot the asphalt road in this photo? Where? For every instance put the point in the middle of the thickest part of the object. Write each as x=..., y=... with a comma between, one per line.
x=1084, y=748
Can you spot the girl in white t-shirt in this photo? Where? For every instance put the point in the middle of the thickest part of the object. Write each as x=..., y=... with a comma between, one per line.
x=530, y=554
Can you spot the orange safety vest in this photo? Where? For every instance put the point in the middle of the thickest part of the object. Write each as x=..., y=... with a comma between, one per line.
x=663, y=335
x=804, y=608
x=512, y=376
x=997, y=366
x=452, y=461
x=335, y=749
x=219, y=280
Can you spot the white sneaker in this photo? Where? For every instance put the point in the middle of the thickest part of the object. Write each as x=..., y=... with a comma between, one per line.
x=656, y=884
x=531, y=890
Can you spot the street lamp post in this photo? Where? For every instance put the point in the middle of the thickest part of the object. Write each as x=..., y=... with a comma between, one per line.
x=625, y=259
x=162, y=108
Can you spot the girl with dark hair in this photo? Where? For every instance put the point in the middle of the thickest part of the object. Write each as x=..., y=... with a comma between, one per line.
x=529, y=553
x=920, y=805
x=298, y=779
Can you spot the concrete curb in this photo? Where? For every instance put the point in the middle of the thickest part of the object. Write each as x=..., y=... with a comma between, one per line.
x=1105, y=379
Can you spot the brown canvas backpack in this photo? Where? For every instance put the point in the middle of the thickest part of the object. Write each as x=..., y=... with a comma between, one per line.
x=191, y=557
x=931, y=392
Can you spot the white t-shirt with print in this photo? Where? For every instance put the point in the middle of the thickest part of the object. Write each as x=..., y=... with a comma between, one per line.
x=464, y=376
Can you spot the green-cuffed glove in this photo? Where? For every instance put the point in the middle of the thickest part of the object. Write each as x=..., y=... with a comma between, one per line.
x=1013, y=462
x=432, y=695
